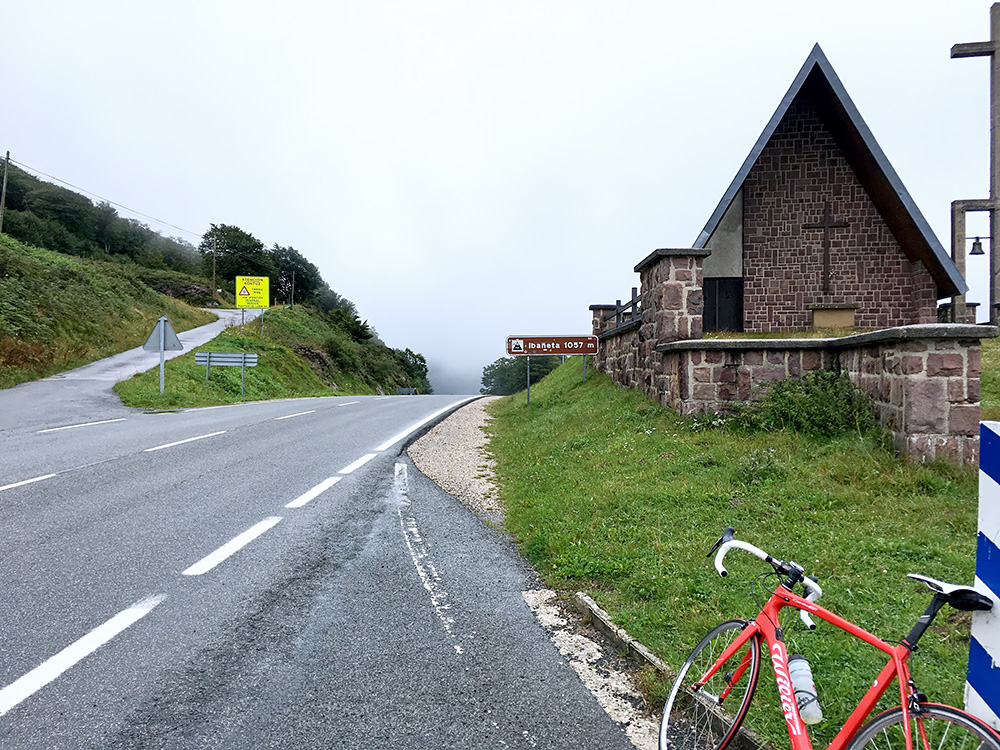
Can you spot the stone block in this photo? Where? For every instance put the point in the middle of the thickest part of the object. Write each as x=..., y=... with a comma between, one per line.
x=671, y=296
x=812, y=361
x=753, y=358
x=956, y=390
x=714, y=357
x=945, y=365
x=963, y=419
x=975, y=362
x=925, y=406
x=912, y=364
x=701, y=374
x=972, y=390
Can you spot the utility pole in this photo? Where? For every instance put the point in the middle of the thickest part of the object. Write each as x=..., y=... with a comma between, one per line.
x=3, y=192
x=293, y=289
x=989, y=49
x=213, y=268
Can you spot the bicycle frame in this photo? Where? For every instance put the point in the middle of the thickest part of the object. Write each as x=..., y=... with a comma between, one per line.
x=767, y=625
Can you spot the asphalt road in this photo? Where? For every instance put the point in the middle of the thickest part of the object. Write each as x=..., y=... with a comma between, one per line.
x=263, y=575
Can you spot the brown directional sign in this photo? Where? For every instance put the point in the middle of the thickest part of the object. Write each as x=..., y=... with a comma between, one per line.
x=528, y=345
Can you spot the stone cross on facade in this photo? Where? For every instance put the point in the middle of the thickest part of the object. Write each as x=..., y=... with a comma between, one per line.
x=826, y=225
x=989, y=49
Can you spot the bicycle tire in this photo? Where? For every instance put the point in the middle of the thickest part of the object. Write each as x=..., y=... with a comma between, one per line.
x=695, y=720
x=935, y=727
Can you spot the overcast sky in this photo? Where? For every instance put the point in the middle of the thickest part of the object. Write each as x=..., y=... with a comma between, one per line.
x=467, y=170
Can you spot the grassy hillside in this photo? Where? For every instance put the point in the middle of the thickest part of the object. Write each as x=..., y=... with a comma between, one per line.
x=303, y=352
x=58, y=311
x=609, y=493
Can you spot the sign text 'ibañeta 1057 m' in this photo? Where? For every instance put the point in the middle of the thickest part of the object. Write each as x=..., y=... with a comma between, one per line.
x=528, y=345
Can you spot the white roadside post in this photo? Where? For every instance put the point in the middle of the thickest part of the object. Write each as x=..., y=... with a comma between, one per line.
x=982, y=688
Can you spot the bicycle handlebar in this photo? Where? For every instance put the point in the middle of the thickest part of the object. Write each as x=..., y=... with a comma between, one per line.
x=727, y=543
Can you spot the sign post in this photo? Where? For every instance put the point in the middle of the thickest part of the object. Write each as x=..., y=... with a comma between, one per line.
x=525, y=346
x=163, y=339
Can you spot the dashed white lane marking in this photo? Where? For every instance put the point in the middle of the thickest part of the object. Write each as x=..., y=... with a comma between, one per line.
x=25, y=481
x=49, y=670
x=315, y=492
x=421, y=557
x=181, y=442
x=349, y=403
x=358, y=464
x=613, y=689
x=231, y=547
x=300, y=414
x=413, y=428
x=84, y=424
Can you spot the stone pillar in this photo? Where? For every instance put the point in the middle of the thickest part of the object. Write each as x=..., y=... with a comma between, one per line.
x=673, y=301
x=600, y=312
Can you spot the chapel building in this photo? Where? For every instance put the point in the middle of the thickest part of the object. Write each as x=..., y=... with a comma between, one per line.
x=817, y=229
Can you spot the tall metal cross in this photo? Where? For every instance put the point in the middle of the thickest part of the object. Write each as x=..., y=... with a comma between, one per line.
x=989, y=49
x=826, y=225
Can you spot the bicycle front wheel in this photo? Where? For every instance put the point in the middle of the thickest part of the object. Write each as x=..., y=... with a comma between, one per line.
x=935, y=727
x=706, y=716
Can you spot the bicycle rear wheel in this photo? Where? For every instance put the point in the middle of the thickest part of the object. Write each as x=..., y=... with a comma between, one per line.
x=698, y=719
x=936, y=727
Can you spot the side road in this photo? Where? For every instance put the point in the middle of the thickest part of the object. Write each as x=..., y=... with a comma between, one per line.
x=454, y=454
x=85, y=394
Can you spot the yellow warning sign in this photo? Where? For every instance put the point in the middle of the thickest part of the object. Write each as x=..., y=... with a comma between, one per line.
x=253, y=291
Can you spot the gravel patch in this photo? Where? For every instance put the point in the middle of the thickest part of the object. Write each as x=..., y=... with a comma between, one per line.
x=454, y=455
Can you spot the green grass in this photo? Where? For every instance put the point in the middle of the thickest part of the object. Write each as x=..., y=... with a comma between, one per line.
x=281, y=371
x=58, y=312
x=609, y=493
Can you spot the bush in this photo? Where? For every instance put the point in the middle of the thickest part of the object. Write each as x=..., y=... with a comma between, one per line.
x=343, y=351
x=823, y=404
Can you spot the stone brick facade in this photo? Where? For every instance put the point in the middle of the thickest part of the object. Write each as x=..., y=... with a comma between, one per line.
x=799, y=171
x=923, y=378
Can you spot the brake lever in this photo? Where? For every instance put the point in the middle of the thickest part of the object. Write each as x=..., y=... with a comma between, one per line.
x=727, y=536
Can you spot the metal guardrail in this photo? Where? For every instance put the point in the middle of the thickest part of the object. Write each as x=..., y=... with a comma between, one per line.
x=242, y=360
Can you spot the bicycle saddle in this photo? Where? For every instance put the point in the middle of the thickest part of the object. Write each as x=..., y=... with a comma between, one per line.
x=959, y=597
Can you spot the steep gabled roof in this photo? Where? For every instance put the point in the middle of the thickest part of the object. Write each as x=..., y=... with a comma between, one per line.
x=818, y=80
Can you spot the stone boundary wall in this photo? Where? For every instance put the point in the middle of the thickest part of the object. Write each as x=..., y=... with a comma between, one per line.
x=923, y=379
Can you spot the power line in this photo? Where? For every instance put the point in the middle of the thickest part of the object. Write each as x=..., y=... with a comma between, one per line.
x=106, y=200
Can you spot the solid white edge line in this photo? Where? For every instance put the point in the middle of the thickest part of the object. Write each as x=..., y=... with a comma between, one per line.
x=357, y=464
x=49, y=670
x=26, y=481
x=181, y=442
x=74, y=426
x=300, y=414
x=315, y=492
x=234, y=545
x=413, y=428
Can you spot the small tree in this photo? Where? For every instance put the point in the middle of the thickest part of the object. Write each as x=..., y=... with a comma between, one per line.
x=509, y=375
x=237, y=253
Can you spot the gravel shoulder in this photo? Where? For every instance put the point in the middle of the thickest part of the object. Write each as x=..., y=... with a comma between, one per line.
x=454, y=455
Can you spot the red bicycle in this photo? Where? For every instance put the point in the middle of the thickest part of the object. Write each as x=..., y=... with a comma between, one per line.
x=721, y=673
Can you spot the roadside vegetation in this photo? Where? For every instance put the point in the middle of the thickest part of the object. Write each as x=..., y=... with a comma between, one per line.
x=609, y=493
x=103, y=281
x=58, y=312
x=303, y=352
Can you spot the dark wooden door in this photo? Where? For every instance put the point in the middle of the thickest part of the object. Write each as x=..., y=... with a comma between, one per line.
x=723, y=304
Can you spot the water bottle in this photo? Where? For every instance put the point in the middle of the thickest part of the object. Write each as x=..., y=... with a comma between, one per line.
x=805, y=689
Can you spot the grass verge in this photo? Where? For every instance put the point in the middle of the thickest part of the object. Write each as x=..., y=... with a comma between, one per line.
x=281, y=371
x=611, y=494
x=58, y=312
